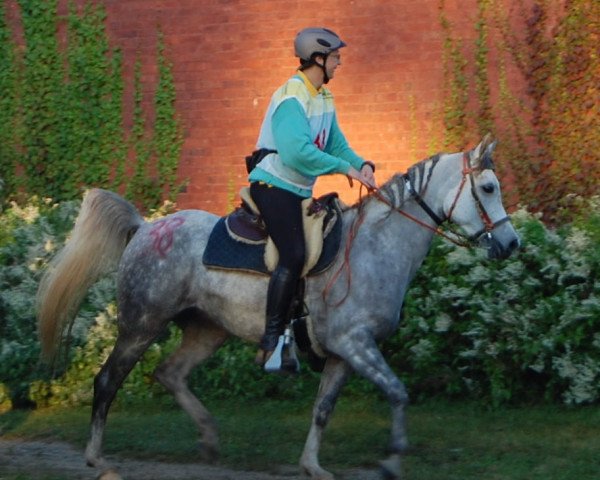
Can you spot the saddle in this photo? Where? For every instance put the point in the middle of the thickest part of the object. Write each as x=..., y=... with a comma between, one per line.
x=246, y=225
x=238, y=239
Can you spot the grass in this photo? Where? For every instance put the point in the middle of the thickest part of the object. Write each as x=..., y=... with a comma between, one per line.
x=449, y=441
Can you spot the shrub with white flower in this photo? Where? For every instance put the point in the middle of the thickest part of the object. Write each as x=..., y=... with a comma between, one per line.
x=522, y=330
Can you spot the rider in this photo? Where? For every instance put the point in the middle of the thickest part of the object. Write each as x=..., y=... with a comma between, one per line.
x=300, y=140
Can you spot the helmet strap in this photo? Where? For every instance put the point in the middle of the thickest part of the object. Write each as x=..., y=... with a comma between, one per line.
x=309, y=63
x=325, y=76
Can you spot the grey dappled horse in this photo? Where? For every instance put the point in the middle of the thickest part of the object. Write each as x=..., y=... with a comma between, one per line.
x=161, y=278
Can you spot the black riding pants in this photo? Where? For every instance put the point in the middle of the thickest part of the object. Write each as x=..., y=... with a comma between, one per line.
x=282, y=213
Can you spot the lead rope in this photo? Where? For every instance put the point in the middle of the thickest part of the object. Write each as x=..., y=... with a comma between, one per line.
x=353, y=231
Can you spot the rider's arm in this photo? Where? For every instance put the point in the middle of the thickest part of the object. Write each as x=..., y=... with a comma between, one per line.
x=337, y=145
x=295, y=145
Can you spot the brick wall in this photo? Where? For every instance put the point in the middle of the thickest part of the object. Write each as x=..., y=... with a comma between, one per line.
x=229, y=55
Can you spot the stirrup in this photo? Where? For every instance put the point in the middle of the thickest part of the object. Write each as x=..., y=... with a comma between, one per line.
x=284, y=358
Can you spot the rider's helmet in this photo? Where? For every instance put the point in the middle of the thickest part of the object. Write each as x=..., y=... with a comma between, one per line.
x=314, y=41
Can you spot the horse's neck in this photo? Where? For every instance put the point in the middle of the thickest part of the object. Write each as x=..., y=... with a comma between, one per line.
x=398, y=216
x=433, y=179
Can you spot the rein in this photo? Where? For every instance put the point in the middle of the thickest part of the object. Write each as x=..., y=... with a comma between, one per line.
x=455, y=237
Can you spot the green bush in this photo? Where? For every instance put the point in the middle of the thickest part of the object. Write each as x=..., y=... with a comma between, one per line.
x=26, y=240
x=62, y=104
x=523, y=330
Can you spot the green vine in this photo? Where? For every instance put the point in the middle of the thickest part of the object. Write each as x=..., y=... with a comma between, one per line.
x=412, y=117
x=455, y=88
x=8, y=110
x=484, y=117
x=515, y=159
x=42, y=91
x=92, y=113
x=570, y=127
x=62, y=128
x=140, y=187
x=550, y=141
x=168, y=136
x=155, y=172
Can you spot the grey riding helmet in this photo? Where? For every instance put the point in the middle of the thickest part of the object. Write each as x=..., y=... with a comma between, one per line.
x=316, y=41
x=311, y=41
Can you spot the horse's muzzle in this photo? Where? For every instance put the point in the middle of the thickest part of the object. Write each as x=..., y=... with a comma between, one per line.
x=498, y=250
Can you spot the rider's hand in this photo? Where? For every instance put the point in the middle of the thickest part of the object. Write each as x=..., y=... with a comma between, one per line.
x=366, y=179
x=369, y=172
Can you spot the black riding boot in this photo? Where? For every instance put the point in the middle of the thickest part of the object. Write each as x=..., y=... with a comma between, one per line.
x=282, y=288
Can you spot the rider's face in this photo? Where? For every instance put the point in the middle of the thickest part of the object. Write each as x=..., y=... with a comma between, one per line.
x=334, y=60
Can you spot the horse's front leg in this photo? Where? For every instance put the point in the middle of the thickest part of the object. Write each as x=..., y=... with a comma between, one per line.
x=333, y=378
x=363, y=355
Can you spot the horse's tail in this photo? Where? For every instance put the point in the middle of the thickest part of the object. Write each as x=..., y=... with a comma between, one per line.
x=105, y=224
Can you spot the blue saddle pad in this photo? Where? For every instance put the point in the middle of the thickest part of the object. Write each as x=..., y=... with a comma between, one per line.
x=224, y=252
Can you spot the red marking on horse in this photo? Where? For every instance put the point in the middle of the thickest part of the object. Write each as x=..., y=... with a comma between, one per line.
x=163, y=234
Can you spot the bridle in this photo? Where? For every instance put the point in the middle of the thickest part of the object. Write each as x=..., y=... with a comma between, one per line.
x=488, y=224
x=454, y=236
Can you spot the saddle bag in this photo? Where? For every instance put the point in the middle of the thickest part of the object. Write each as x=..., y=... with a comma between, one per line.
x=257, y=155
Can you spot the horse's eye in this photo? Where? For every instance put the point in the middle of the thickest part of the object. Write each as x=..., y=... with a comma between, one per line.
x=488, y=188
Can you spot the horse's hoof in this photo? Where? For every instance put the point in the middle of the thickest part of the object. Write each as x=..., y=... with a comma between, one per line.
x=109, y=474
x=389, y=469
x=98, y=463
x=208, y=453
x=387, y=475
x=317, y=473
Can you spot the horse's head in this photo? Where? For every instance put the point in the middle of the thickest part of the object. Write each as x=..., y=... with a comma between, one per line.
x=475, y=204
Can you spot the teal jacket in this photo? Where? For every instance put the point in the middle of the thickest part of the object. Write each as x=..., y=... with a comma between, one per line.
x=301, y=125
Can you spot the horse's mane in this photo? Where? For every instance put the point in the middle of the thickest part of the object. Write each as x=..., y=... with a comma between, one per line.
x=393, y=189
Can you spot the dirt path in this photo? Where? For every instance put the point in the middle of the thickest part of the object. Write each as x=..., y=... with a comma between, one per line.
x=40, y=459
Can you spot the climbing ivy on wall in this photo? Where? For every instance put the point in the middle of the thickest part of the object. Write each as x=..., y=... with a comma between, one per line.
x=168, y=136
x=90, y=120
x=41, y=102
x=484, y=117
x=8, y=92
x=550, y=139
x=566, y=90
x=456, y=92
x=155, y=173
x=62, y=125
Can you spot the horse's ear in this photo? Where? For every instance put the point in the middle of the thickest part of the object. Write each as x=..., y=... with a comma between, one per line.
x=486, y=151
x=487, y=161
x=487, y=139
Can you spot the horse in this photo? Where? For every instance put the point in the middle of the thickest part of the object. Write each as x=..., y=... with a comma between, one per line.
x=353, y=305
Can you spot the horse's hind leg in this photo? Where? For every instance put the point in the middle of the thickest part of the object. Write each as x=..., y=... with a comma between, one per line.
x=128, y=349
x=200, y=340
x=333, y=378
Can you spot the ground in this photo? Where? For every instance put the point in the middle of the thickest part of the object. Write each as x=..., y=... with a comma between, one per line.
x=44, y=459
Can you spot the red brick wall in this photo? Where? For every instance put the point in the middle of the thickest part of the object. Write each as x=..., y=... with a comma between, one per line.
x=229, y=55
